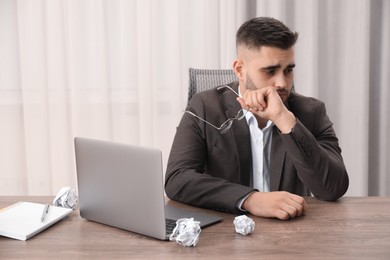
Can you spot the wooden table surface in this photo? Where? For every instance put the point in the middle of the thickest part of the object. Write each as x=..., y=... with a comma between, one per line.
x=352, y=228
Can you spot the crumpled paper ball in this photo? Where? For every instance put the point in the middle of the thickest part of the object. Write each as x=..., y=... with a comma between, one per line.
x=66, y=198
x=186, y=232
x=244, y=225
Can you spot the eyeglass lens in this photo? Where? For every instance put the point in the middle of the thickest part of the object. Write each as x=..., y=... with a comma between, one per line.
x=228, y=123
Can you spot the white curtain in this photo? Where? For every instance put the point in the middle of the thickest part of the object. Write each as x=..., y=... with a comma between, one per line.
x=118, y=70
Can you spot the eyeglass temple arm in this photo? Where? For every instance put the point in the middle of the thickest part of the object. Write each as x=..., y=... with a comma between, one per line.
x=226, y=86
x=189, y=112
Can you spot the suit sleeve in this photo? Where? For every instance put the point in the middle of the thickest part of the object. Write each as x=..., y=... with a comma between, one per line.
x=317, y=156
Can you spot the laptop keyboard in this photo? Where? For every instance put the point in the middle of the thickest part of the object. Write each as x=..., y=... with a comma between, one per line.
x=170, y=224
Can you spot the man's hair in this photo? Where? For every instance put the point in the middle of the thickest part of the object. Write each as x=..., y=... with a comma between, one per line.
x=265, y=31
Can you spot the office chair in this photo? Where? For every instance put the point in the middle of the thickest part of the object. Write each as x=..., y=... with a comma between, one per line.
x=204, y=79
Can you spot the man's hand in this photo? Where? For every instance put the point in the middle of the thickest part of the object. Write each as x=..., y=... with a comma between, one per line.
x=279, y=204
x=267, y=104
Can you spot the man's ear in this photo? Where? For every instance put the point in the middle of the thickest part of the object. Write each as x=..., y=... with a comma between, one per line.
x=238, y=69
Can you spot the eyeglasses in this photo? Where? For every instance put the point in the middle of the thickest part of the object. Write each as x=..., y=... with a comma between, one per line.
x=225, y=126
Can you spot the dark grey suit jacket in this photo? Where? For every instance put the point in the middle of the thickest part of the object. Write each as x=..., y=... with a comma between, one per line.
x=213, y=170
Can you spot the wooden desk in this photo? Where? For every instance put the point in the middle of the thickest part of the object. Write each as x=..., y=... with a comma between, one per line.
x=350, y=228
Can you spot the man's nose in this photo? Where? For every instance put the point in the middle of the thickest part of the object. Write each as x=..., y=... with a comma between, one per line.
x=280, y=81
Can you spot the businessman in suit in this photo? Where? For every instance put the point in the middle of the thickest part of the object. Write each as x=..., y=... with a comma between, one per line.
x=255, y=145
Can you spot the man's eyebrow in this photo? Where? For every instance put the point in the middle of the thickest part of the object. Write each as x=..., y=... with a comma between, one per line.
x=278, y=66
x=271, y=67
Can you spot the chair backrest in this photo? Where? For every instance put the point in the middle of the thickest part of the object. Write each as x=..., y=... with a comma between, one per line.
x=205, y=79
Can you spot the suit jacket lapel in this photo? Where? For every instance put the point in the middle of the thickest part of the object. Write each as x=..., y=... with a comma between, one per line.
x=278, y=156
x=278, y=153
x=242, y=139
x=240, y=134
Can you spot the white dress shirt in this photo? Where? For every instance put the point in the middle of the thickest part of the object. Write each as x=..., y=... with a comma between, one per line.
x=261, y=140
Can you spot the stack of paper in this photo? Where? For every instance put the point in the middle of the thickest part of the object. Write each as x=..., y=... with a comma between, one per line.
x=22, y=220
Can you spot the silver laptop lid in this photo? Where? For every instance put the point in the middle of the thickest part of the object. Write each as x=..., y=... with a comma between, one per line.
x=121, y=185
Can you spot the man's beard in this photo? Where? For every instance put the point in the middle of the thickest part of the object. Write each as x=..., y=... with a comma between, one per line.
x=249, y=83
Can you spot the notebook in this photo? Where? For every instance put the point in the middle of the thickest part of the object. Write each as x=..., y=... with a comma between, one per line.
x=22, y=220
x=121, y=185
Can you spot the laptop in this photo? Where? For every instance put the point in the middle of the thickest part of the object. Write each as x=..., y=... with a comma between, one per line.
x=121, y=185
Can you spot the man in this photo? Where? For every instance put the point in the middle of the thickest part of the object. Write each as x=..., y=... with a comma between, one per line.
x=277, y=146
